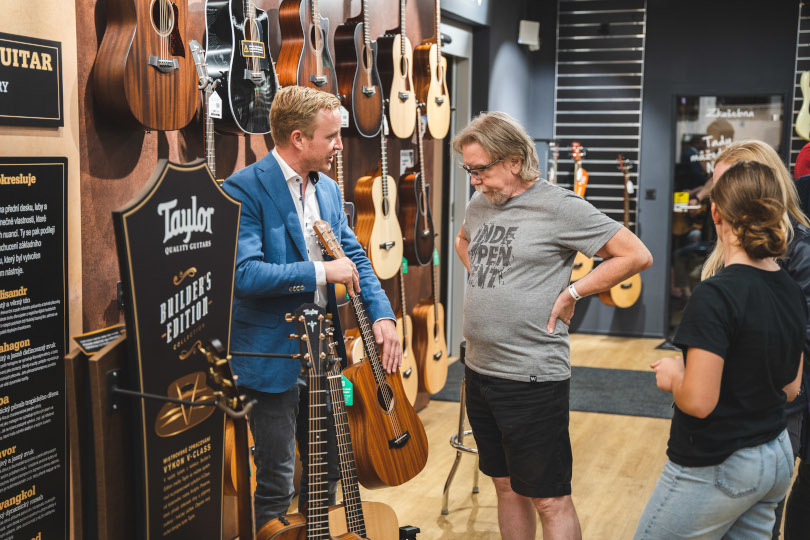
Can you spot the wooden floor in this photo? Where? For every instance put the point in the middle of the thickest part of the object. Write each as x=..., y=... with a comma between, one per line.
x=617, y=460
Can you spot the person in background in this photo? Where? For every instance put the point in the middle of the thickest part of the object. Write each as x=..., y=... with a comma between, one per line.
x=742, y=335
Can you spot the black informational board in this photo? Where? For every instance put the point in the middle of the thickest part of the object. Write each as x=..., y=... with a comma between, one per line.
x=30, y=82
x=33, y=339
x=177, y=254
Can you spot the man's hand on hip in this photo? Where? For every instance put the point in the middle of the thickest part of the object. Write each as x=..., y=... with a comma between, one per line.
x=563, y=309
x=385, y=333
x=344, y=271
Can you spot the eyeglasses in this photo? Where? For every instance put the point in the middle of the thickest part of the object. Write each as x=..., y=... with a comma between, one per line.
x=476, y=171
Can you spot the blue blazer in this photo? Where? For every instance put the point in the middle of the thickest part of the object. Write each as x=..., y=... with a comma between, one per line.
x=274, y=275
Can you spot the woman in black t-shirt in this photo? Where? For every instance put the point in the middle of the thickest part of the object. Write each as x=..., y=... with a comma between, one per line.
x=730, y=459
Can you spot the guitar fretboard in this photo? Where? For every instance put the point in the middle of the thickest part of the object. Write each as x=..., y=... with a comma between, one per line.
x=404, y=309
x=339, y=173
x=318, y=489
x=384, y=164
x=402, y=33
x=366, y=26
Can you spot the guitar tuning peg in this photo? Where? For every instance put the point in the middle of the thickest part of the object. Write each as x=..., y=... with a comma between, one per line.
x=304, y=338
x=289, y=317
x=322, y=355
x=235, y=377
x=293, y=336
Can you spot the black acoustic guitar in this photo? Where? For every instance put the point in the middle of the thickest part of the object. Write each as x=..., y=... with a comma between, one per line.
x=238, y=56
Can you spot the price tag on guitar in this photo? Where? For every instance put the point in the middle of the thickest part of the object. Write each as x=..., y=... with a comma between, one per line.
x=215, y=106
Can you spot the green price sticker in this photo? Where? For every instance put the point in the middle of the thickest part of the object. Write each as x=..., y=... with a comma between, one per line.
x=435, y=256
x=404, y=265
x=348, y=391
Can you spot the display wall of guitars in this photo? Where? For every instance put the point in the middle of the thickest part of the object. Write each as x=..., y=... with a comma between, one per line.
x=391, y=442
x=582, y=264
x=414, y=208
x=238, y=56
x=378, y=229
x=626, y=293
x=395, y=63
x=143, y=74
x=430, y=77
x=305, y=57
x=357, y=75
x=429, y=343
x=206, y=86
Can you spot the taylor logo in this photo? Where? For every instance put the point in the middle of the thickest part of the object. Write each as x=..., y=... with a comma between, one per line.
x=178, y=221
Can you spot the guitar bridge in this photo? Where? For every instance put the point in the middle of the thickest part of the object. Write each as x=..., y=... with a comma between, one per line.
x=400, y=441
x=318, y=81
x=437, y=356
x=408, y=373
x=256, y=77
x=387, y=245
x=403, y=96
x=164, y=65
x=369, y=90
x=439, y=100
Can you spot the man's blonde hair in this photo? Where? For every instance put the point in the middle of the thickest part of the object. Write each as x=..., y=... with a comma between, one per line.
x=297, y=107
x=502, y=137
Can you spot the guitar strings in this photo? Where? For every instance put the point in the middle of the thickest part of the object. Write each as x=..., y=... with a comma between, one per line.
x=315, y=517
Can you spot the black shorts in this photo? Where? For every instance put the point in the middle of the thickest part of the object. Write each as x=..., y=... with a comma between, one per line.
x=521, y=430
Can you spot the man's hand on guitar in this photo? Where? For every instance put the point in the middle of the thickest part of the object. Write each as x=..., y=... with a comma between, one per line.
x=343, y=271
x=385, y=334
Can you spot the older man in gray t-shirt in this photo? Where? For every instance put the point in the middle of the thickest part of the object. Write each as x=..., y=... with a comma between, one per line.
x=519, y=240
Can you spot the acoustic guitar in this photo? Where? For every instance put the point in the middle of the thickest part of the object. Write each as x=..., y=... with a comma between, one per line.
x=206, y=86
x=238, y=55
x=391, y=442
x=378, y=229
x=305, y=58
x=365, y=518
x=803, y=118
x=582, y=264
x=408, y=370
x=429, y=343
x=626, y=293
x=341, y=294
x=142, y=74
x=414, y=208
x=311, y=327
x=552, y=162
x=396, y=72
x=357, y=75
x=430, y=77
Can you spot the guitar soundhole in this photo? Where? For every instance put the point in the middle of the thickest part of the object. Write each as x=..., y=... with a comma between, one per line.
x=626, y=285
x=577, y=266
x=251, y=30
x=162, y=17
x=315, y=38
x=403, y=66
x=385, y=398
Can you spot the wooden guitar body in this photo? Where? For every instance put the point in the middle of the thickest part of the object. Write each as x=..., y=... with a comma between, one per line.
x=380, y=520
x=141, y=77
x=417, y=220
x=247, y=77
x=430, y=346
x=623, y=295
x=431, y=84
x=378, y=229
x=384, y=455
x=276, y=529
x=582, y=267
x=408, y=371
x=358, y=78
x=304, y=58
x=354, y=347
x=396, y=74
x=803, y=118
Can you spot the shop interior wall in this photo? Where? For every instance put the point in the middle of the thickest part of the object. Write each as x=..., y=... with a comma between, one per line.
x=54, y=21
x=116, y=161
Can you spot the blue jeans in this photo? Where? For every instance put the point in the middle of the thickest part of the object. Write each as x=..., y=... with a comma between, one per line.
x=735, y=499
x=275, y=422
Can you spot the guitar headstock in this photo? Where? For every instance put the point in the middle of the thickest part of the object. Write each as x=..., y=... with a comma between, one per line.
x=221, y=377
x=555, y=150
x=328, y=240
x=311, y=327
x=198, y=54
x=625, y=166
x=577, y=152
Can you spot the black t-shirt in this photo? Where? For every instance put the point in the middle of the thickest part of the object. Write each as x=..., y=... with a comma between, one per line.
x=755, y=319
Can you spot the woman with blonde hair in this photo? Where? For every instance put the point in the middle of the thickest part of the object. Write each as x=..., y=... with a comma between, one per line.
x=742, y=332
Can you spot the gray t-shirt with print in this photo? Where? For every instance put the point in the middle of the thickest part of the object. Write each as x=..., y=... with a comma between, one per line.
x=521, y=256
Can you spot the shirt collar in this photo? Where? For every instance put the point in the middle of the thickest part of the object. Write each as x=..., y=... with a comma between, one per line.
x=289, y=173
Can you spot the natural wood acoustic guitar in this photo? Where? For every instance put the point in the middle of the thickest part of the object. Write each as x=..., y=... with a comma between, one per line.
x=429, y=343
x=582, y=264
x=378, y=229
x=626, y=293
x=305, y=58
x=408, y=370
x=414, y=208
x=365, y=518
x=143, y=74
x=395, y=63
x=430, y=78
x=391, y=442
x=358, y=79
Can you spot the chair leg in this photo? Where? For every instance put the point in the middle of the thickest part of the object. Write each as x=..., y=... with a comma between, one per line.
x=475, y=475
x=446, y=492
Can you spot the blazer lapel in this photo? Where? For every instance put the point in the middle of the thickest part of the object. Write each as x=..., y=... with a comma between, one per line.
x=272, y=179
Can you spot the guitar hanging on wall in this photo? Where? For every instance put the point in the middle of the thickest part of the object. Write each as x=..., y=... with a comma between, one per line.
x=357, y=75
x=626, y=293
x=396, y=72
x=408, y=369
x=305, y=58
x=430, y=77
x=429, y=343
x=238, y=56
x=582, y=264
x=206, y=86
x=414, y=208
x=142, y=73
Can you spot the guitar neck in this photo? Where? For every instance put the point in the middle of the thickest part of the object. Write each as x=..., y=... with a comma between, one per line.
x=339, y=173
x=384, y=164
x=348, y=474
x=209, y=134
x=402, y=34
x=369, y=344
x=366, y=25
x=318, y=509
x=250, y=9
x=437, y=19
x=404, y=307
x=421, y=155
x=435, y=287
x=626, y=202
